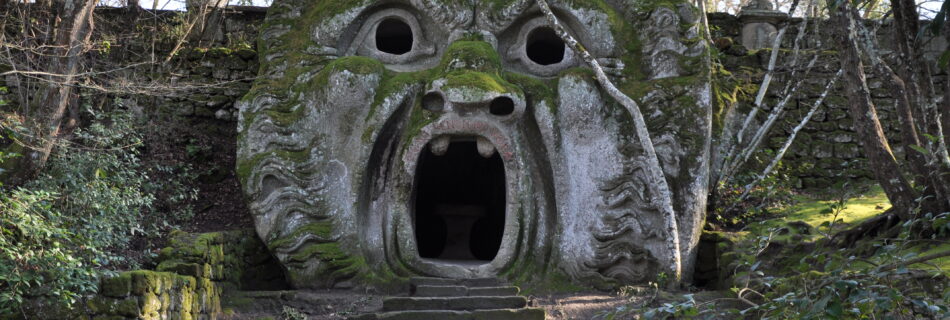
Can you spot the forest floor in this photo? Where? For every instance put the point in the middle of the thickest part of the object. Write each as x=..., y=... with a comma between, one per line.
x=809, y=208
x=210, y=149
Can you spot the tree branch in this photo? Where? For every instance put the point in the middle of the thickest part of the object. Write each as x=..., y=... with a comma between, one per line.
x=916, y=260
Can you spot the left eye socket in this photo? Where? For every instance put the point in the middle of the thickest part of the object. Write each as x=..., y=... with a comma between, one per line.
x=395, y=37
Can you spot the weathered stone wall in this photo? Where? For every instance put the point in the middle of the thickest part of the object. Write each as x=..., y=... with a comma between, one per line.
x=193, y=273
x=827, y=148
x=213, y=78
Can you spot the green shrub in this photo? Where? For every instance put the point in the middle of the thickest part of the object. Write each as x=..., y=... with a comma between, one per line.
x=38, y=257
x=101, y=184
x=76, y=219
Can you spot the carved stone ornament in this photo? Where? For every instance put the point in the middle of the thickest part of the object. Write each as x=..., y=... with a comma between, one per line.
x=388, y=139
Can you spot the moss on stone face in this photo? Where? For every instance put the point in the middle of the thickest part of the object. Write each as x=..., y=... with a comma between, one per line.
x=470, y=55
x=321, y=229
x=392, y=83
x=418, y=119
x=482, y=81
x=244, y=167
x=638, y=90
x=355, y=64
x=536, y=90
x=334, y=264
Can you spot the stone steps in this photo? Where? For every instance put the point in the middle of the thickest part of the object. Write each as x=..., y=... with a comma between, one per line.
x=462, y=291
x=453, y=303
x=495, y=314
x=457, y=299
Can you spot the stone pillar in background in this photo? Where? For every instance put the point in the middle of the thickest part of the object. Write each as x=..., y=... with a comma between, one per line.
x=758, y=19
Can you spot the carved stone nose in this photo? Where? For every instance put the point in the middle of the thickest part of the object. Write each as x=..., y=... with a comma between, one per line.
x=465, y=92
x=501, y=104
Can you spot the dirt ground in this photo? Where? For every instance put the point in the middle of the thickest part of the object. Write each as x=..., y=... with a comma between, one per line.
x=583, y=305
x=340, y=304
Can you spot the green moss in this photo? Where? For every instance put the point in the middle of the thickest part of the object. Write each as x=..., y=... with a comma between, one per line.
x=675, y=85
x=118, y=286
x=535, y=89
x=322, y=229
x=417, y=120
x=394, y=82
x=355, y=64
x=534, y=279
x=486, y=82
x=244, y=167
x=219, y=52
x=470, y=55
x=185, y=268
x=114, y=307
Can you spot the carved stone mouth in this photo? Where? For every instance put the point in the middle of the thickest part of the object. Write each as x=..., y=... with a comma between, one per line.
x=459, y=201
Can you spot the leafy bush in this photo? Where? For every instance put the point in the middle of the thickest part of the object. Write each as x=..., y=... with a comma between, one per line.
x=101, y=184
x=78, y=217
x=38, y=257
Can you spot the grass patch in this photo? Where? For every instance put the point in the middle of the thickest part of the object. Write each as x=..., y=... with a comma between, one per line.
x=814, y=209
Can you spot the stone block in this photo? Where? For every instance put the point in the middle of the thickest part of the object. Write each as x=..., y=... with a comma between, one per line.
x=847, y=151
x=846, y=124
x=150, y=303
x=118, y=286
x=842, y=136
x=221, y=73
x=185, y=268
x=108, y=306
x=822, y=150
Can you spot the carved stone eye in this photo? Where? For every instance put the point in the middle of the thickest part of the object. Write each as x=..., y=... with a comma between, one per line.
x=401, y=38
x=533, y=47
x=544, y=47
x=394, y=36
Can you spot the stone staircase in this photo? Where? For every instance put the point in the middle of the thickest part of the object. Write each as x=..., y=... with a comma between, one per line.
x=456, y=299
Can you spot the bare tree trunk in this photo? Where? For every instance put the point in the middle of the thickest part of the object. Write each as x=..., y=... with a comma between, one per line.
x=863, y=113
x=74, y=25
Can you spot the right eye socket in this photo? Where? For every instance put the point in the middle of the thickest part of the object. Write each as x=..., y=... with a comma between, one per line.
x=537, y=49
x=394, y=36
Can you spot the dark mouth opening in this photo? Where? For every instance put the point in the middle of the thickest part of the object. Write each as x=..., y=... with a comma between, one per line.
x=459, y=203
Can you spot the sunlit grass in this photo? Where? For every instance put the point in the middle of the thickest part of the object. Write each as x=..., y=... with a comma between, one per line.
x=813, y=209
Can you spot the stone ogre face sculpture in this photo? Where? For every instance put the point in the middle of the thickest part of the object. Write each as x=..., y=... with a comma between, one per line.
x=387, y=139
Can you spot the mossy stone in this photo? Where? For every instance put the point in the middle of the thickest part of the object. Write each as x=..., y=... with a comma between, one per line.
x=150, y=303
x=118, y=286
x=107, y=306
x=246, y=54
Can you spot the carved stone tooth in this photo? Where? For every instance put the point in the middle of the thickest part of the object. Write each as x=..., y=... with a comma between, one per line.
x=439, y=145
x=485, y=148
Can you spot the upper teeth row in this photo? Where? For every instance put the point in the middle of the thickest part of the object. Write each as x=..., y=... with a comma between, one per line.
x=440, y=145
